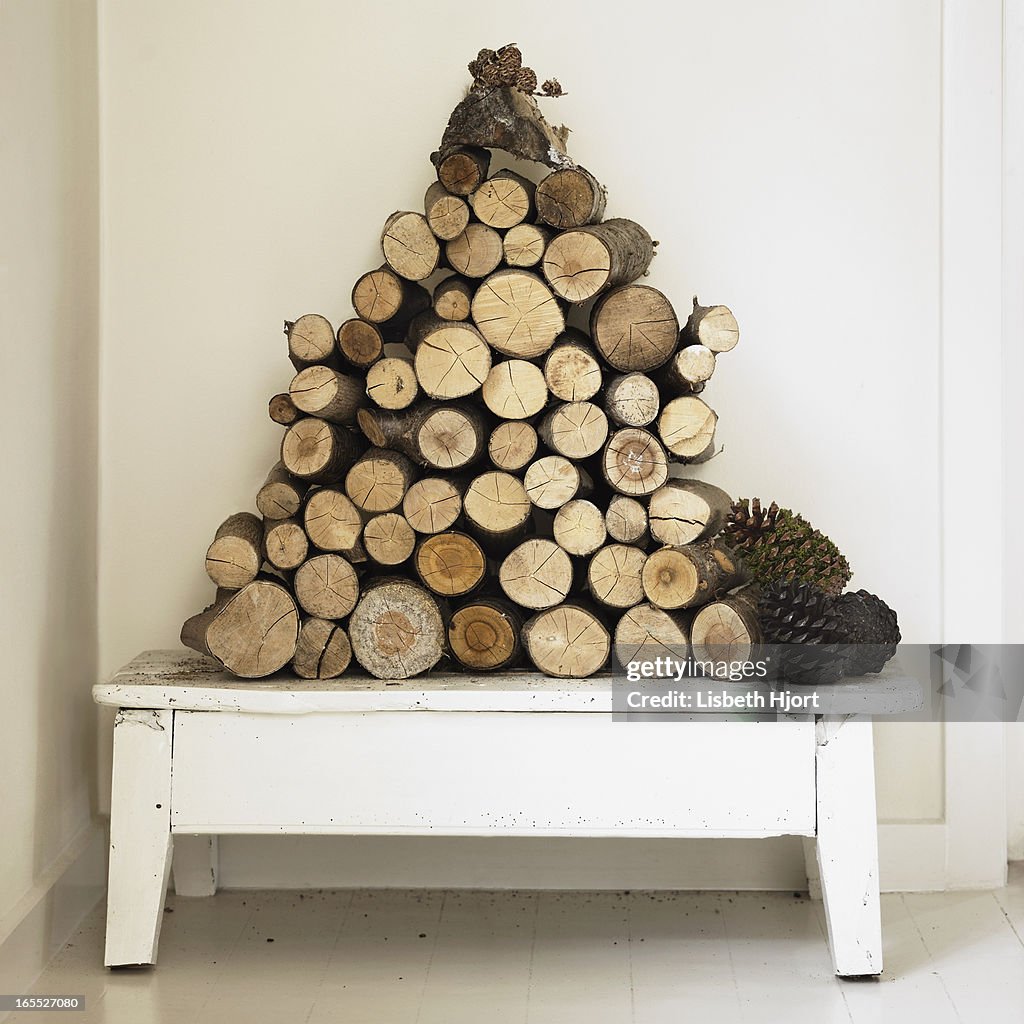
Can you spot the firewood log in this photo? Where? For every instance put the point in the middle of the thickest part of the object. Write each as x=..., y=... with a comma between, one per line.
x=579, y=527
x=613, y=575
x=310, y=340
x=683, y=577
x=646, y=632
x=634, y=462
x=574, y=429
x=483, y=634
x=476, y=252
x=512, y=445
x=497, y=510
x=525, y=244
x=391, y=383
x=632, y=400
x=323, y=650
x=332, y=521
x=727, y=630
x=410, y=248
x=382, y=296
x=396, y=629
x=714, y=327
x=389, y=539
x=282, y=410
x=433, y=504
x=571, y=369
x=445, y=436
x=252, y=632
x=450, y=564
x=687, y=371
x=452, y=359
x=687, y=429
x=686, y=511
x=553, y=480
x=318, y=451
x=504, y=200
x=379, y=480
x=462, y=170
x=285, y=543
x=515, y=390
x=634, y=328
x=326, y=586
x=536, y=574
x=321, y=391
x=281, y=495
x=582, y=262
x=236, y=554
x=626, y=520
x=569, y=641
x=452, y=298
x=517, y=313
x=361, y=343
x=446, y=214
x=570, y=198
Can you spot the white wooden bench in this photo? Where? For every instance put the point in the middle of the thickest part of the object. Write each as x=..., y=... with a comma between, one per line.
x=198, y=753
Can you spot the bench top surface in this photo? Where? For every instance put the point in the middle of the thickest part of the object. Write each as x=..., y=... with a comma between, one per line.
x=186, y=681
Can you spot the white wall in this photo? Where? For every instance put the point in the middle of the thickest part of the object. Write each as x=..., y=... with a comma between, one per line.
x=785, y=154
x=49, y=292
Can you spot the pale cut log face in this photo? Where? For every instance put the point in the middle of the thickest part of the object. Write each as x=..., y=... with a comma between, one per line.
x=579, y=527
x=311, y=338
x=648, y=632
x=410, y=248
x=626, y=519
x=573, y=373
x=497, y=501
x=567, y=642
x=669, y=579
x=476, y=252
x=360, y=342
x=501, y=202
x=718, y=329
x=447, y=439
x=481, y=637
x=512, y=445
x=326, y=586
x=450, y=564
x=452, y=361
x=332, y=520
x=719, y=633
x=635, y=328
x=432, y=505
x=396, y=630
x=323, y=650
x=552, y=481
x=517, y=314
x=634, y=462
x=537, y=574
x=524, y=245
x=578, y=429
x=566, y=199
x=256, y=632
x=515, y=390
x=389, y=539
x=687, y=426
x=577, y=265
x=377, y=296
x=614, y=575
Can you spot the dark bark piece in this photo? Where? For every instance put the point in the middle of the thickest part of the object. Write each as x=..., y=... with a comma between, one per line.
x=483, y=634
x=236, y=554
x=569, y=641
x=634, y=327
x=503, y=118
x=323, y=650
x=397, y=629
x=252, y=632
x=462, y=168
x=570, y=198
x=582, y=262
x=691, y=575
x=686, y=511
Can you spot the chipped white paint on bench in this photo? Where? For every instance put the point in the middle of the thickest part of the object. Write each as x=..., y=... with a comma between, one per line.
x=513, y=755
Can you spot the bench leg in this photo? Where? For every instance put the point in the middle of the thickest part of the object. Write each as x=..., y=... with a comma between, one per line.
x=848, y=845
x=140, y=836
x=195, y=865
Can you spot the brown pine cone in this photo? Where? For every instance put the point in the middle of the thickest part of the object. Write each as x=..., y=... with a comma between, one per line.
x=526, y=80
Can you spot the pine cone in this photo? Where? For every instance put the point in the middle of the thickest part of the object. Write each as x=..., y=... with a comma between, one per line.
x=870, y=627
x=552, y=87
x=509, y=61
x=747, y=520
x=799, y=618
x=483, y=58
x=526, y=80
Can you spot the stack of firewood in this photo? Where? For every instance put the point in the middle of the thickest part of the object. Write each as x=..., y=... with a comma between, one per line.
x=478, y=464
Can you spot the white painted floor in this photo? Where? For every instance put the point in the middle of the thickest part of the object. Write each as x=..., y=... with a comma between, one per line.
x=389, y=956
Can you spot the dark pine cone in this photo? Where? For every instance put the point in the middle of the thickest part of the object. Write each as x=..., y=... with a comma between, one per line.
x=799, y=618
x=509, y=61
x=526, y=80
x=552, y=87
x=483, y=58
x=748, y=521
x=869, y=626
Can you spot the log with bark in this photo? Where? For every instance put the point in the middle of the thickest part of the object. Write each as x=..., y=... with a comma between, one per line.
x=450, y=564
x=571, y=369
x=318, y=451
x=685, y=511
x=691, y=575
x=252, y=632
x=515, y=389
x=379, y=480
x=570, y=198
x=634, y=328
x=389, y=539
x=323, y=650
x=444, y=436
x=332, y=521
x=484, y=633
x=310, y=340
x=285, y=544
x=576, y=430
x=384, y=297
x=321, y=391
x=476, y=252
x=410, y=247
x=504, y=200
x=714, y=327
x=447, y=214
x=582, y=262
x=452, y=358
x=397, y=629
x=432, y=504
x=361, y=343
x=646, y=632
x=462, y=168
x=686, y=426
x=687, y=371
x=236, y=554
x=524, y=245
x=727, y=630
x=626, y=520
x=281, y=495
x=632, y=400
x=282, y=410
x=452, y=298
